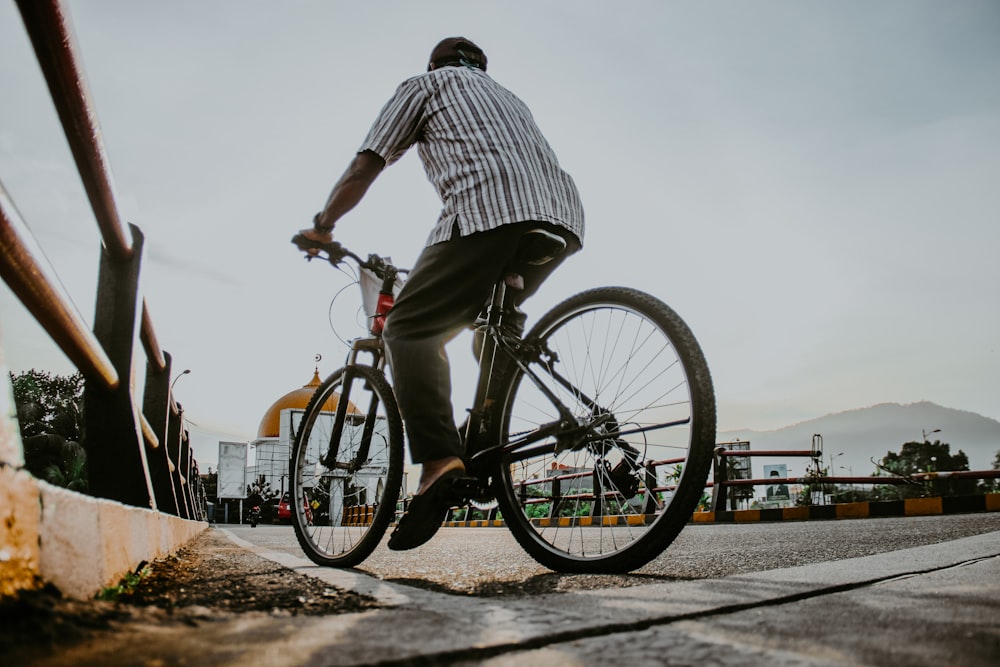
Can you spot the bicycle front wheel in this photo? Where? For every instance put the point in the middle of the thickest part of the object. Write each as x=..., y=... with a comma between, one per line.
x=347, y=467
x=629, y=445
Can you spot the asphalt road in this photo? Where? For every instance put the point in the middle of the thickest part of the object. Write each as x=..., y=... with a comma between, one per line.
x=920, y=592
x=488, y=562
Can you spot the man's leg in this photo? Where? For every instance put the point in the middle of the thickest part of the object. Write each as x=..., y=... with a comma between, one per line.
x=442, y=296
x=513, y=317
x=533, y=275
x=444, y=293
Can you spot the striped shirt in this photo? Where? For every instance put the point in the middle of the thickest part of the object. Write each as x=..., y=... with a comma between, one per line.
x=481, y=150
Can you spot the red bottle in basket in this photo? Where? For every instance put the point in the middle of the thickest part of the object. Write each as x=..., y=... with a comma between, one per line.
x=382, y=308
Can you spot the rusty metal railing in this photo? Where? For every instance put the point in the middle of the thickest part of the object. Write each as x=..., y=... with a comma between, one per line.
x=721, y=481
x=546, y=492
x=139, y=457
x=44, y=298
x=48, y=27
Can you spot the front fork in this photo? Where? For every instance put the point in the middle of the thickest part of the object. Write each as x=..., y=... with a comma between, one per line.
x=374, y=346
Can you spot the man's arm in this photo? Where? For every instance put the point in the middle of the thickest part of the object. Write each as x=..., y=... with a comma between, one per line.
x=349, y=190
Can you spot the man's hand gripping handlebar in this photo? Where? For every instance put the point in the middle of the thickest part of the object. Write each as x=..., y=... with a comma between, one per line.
x=331, y=251
x=335, y=253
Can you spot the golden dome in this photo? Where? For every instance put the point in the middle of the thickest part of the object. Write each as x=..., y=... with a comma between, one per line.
x=270, y=423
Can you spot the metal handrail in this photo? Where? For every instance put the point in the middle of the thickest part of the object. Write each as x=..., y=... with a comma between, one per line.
x=55, y=47
x=767, y=452
x=30, y=280
x=148, y=434
x=720, y=480
x=48, y=27
x=147, y=334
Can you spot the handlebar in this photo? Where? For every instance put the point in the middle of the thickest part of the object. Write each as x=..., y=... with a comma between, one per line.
x=335, y=253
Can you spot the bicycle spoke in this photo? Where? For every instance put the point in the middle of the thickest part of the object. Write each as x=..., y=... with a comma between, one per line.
x=347, y=468
x=602, y=494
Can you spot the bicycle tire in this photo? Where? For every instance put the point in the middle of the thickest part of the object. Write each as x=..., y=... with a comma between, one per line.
x=344, y=498
x=632, y=362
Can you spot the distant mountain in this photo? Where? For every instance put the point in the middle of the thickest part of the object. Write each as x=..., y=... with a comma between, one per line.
x=870, y=433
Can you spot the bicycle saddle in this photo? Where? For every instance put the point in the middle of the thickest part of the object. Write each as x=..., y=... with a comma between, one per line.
x=539, y=246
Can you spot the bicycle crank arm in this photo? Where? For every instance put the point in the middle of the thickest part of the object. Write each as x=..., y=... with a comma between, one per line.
x=464, y=489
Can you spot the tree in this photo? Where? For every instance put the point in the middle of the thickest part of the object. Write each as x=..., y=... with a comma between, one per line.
x=919, y=457
x=814, y=473
x=210, y=482
x=50, y=417
x=992, y=485
x=48, y=403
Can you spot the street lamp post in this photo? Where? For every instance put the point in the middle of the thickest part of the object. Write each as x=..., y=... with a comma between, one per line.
x=928, y=484
x=179, y=376
x=850, y=471
x=833, y=457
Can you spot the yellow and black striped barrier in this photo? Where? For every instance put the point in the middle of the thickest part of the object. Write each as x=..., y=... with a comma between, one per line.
x=861, y=510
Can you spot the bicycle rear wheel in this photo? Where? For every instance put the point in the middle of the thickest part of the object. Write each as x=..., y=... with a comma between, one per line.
x=347, y=467
x=620, y=481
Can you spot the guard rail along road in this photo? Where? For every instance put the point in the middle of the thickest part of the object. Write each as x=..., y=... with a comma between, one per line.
x=146, y=497
x=724, y=482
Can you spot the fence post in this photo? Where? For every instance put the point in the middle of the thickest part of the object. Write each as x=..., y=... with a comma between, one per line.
x=719, y=490
x=173, y=448
x=155, y=406
x=116, y=453
x=597, y=508
x=556, y=503
x=649, y=503
x=199, y=492
x=186, y=466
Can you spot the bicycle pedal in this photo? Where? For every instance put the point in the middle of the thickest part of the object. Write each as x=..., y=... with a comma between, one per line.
x=464, y=488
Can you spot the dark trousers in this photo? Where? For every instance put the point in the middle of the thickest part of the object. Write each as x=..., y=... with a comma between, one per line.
x=443, y=295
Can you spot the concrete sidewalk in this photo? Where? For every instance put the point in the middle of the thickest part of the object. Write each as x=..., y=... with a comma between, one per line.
x=933, y=605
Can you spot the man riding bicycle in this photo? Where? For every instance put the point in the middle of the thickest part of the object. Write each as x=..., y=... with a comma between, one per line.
x=498, y=179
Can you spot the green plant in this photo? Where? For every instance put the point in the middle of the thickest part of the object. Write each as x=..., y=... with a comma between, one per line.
x=49, y=403
x=537, y=511
x=50, y=419
x=124, y=587
x=929, y=457
x=705, y=503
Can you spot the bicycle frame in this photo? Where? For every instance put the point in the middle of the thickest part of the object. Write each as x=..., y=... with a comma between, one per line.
x=569, y=431
x=494, y=341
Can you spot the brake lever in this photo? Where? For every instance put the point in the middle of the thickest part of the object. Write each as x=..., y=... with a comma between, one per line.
x=334, y=251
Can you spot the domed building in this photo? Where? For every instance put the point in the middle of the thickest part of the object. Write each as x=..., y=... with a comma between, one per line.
x=296, y=399
x=269, y=474
x=275, y=434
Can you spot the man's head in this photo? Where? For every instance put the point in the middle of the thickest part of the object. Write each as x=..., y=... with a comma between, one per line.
x=455, y=51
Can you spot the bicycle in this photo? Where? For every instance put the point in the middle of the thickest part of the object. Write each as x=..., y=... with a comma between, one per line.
x=593, y=434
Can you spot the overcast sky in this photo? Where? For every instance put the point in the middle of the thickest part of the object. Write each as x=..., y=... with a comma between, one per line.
x=813, y=186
